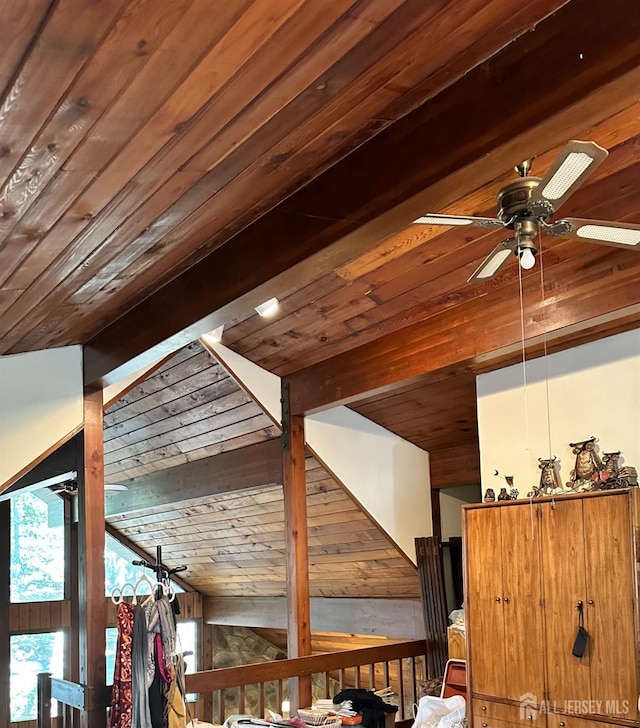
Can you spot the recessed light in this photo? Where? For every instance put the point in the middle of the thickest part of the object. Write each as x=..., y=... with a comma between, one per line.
x=268, y=308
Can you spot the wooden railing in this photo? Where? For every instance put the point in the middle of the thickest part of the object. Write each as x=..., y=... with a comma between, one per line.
x=400, y=666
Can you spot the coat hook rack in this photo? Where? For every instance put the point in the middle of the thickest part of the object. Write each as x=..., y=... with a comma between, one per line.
x=161, y=571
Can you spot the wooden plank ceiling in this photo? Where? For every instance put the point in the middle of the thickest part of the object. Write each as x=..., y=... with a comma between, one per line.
x=136, y=137
x=187, y=410
x=233, y=544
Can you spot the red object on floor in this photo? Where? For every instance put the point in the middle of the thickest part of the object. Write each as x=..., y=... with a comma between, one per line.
x=455, y=679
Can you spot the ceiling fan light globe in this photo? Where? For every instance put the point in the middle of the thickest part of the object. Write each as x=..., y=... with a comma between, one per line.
x=527, y=258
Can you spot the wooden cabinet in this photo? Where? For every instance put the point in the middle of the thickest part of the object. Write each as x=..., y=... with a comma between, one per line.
x=504, y=601
x=531, y=569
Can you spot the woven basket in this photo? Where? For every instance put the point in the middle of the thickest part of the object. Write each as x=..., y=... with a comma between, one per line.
x=318, y=717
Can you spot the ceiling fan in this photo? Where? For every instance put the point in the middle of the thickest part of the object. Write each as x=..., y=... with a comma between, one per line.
x=526, y=205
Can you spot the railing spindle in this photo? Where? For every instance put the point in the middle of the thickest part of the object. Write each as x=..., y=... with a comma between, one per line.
x=242, y=700
x=341, y=680
x=385, y=673
x=414, y=686
x=221, y=706
x=280, y=697
x=357, y=676
x=44, y=700
x=400, y=690
x=327, y=685
x=372, y=677
x=261, y=706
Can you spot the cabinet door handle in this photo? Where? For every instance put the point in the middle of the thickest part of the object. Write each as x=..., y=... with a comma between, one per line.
x=484, y=725
x=484, y=708
x=497, y=599
x=591, y=603
x=506, y=600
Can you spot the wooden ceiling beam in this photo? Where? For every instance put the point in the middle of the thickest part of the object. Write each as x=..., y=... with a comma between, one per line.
x=249, y=467
x=575, y=70
x=399, y=618
x=481, y=335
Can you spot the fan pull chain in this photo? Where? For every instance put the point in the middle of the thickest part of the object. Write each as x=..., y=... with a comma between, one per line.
x=544, y=343
x=524, y=366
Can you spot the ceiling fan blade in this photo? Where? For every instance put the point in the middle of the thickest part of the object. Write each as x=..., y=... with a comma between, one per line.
x=570, y=169
x=618, y=234
x=485, y=222
x=495, y=261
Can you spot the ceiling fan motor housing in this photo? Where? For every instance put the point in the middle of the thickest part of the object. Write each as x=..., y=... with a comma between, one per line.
x=513, y=199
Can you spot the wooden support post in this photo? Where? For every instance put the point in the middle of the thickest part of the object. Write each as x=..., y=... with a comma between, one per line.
x=436, y=516
x=297, y=549
x=5, y=597
x=91, y=538
x=205, y=662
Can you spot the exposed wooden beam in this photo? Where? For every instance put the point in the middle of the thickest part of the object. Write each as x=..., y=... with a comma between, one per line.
x=254, y=466
x=481, y=335
x=91, y=537
x=541, y=89
x=296, y=548
x=398, y=618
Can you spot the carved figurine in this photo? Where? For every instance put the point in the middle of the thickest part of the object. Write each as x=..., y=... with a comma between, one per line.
x=489, y=495
x=503, y=495
x=614, y=476
x=586, y=472
x=550, y=476
x=514, y=493
x=535, y=493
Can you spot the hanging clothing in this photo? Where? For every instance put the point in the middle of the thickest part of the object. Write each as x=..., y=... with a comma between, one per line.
x=121, y=697
x=176, y=705
x=141, y=716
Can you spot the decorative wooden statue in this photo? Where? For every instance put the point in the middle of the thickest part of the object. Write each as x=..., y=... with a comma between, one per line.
x=586, y=472
x=549, y=477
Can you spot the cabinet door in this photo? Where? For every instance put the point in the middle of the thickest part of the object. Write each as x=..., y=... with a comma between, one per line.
x=564, y=585
x=610, y=606
x=523, y=618
x=484, y=608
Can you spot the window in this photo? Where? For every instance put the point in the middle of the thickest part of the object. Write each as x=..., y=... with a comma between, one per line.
x=31, y=654
x=110, y=653
x=119, y=569
x=37, y=547
x=187, y=642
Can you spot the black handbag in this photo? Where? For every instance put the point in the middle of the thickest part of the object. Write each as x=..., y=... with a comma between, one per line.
x=582, y=638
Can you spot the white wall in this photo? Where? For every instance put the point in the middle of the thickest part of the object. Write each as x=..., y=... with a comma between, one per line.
x=40, y=404
x=387, y=475
x=451, y=502
x=593, y=389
